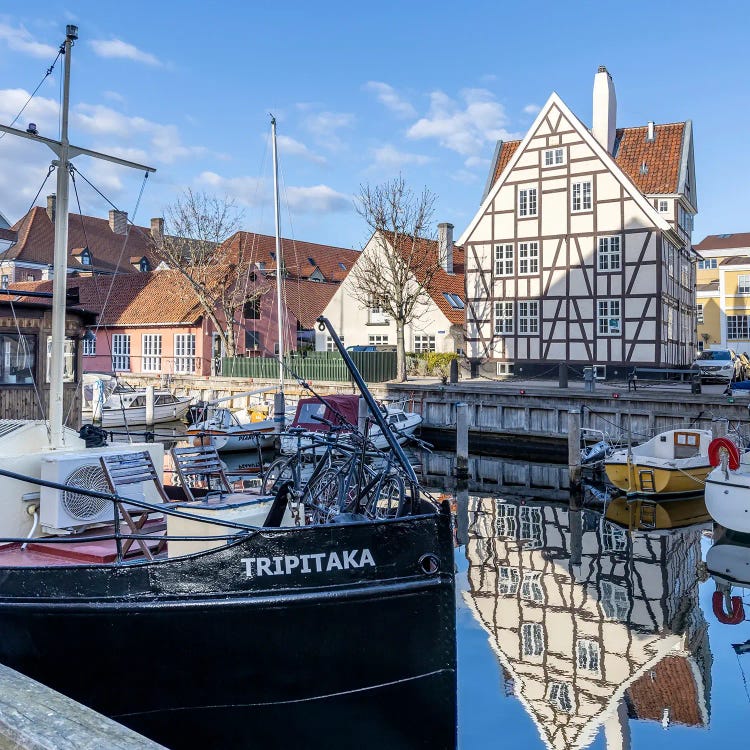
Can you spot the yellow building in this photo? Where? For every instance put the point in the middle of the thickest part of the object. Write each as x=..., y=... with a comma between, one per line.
x=723, y=291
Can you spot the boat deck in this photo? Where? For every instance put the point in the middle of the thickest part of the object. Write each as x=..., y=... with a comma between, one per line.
x=78, y=552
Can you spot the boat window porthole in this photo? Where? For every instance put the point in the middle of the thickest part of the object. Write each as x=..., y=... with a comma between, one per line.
x=429, y=564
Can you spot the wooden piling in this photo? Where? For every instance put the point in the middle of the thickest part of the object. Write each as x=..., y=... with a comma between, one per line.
x=720, y=427
x=462, y=440
x=278, y=412
x=574, y=449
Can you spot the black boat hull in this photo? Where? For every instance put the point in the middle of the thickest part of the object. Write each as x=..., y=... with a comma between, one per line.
x=195, y=652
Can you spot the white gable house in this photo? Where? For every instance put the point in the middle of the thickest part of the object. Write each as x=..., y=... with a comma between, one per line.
x=581, y=250
x=438, y=324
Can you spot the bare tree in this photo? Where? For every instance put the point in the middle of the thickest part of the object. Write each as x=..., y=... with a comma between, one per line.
x=396, y=272
x=196, y=227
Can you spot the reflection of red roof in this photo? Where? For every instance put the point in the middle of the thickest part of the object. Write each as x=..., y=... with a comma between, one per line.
x=300, y=258
x=661, y=157
x=669, y=685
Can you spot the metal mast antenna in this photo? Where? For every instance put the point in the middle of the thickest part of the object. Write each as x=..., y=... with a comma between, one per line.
x=65, y=152
x=279, y=258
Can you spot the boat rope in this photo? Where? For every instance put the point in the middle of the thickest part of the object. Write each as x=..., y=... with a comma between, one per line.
x=48, y=73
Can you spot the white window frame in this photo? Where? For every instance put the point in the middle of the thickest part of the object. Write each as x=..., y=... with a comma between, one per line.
x=707, y=264
x=151, y=352
x=580, y=196
x=121, y=352
x=531, y=586
x=588, y=655
x=378, y=316
x=505, y=368
x=532, y=639
x=528, y=204
x=424, y=343
x=377, y=339
x=503, y=318
x=614, y=601
x=330, y=346
x=508, y=580
x=528, y=317
x=738, y=327
x=504, y=259
x=89, y=345
x=184, y=353
x=528, y=258
x=663, y=206
x=553, y=157
x=743, y=283
x=609, y=317
x=559, y=696
x=609, y=255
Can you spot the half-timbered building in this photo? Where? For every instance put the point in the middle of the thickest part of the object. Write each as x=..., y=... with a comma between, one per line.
x=581, y=250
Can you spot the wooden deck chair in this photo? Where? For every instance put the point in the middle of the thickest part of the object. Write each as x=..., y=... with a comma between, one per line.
x=200, y=468
x=121, y=470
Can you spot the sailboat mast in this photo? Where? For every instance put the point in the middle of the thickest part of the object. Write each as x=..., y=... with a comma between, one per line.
x=60, y=262
x=279, y=258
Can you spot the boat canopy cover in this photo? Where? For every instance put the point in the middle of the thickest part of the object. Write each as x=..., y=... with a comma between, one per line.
x=342, y=409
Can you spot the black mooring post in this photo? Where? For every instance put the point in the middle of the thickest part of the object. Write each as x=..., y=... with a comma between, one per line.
x=562, y=377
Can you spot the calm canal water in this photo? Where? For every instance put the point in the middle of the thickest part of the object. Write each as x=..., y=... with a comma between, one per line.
x=575, y=632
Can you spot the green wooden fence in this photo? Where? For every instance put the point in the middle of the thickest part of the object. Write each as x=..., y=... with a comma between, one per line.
x=376, y=367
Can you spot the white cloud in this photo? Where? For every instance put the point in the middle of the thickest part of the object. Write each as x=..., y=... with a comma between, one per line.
x=476, y=161
x=466, y=127
x=116, y=48
x=531, y=109
x=164, y=141
x=20, y=40
x=114, y=96
x=390, y=157
x=325, y=126
x=290, y=147
x=254, y=191
x=388, y=97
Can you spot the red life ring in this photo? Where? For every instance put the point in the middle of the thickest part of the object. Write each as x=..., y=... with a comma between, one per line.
x=723, y=443
x=737, y=614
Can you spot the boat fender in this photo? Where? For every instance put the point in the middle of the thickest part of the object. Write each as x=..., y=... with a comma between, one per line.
x=723, y=443
x=736, y=616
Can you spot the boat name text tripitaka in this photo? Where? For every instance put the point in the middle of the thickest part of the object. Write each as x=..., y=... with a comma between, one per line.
x=317, y=562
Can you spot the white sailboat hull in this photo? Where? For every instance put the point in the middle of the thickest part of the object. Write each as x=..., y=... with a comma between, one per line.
x=728, y=497
x=136, y=415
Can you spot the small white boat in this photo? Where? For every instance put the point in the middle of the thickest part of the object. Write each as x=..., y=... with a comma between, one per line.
x=728, y=486
x=111, y=403
x=234, y=429
x=675, y=462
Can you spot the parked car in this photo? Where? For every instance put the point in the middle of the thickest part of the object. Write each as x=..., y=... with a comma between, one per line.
x=745, y=365
x=719, y=364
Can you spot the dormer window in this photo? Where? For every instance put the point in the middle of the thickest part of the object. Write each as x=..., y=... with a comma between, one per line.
x=144, y=265
x=86, y=257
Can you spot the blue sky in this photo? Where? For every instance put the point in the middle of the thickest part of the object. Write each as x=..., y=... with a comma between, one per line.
x=361, y=92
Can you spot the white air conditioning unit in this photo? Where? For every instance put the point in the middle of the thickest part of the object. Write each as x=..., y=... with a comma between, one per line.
x=67, y=509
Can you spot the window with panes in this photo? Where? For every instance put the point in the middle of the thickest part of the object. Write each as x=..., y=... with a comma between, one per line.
x=528, y=258
x=588, y=654
x=558, y=695
x=151, y=352
x=503, y=317
x=330, y=346
x=184, y=352
x=377, y=339
x=743, y=284
x=89, y=345
x=527, y=202
x=581, y=196
x=738, y=326
x=121, y=352
x=609, y=253
x=528, y=317
x=554, y=157
x=503, y=260
x=424, y=343
x=609, y=317
x=707, y=264
x=532, y=639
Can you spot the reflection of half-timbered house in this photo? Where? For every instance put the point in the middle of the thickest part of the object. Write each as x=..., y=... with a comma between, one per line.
x=581, y=250
x=578, y=612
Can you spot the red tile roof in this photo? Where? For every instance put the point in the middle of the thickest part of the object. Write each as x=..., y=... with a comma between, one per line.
x=670, y=684
x=662, y=157
x=442, y=282
x=723, y=241
x=306, y=300
x=110, y=252
x=334, y=262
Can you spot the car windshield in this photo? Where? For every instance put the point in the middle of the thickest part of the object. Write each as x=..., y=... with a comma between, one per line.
x=713, y=354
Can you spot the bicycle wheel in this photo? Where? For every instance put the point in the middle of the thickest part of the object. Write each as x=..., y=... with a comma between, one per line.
x=322, y=496
x=280, y=471
x=387, y=498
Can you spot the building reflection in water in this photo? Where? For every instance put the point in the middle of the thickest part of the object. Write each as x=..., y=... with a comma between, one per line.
x=592, y=625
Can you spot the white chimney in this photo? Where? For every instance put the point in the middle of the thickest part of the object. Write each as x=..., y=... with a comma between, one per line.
x=605, y=109
x=650, y=133
x=445, y=246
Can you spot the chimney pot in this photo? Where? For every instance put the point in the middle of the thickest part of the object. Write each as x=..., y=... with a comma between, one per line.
x=651, y=132
x=118, y=221
x=51, y=204
x=157, y=231
x=445, y=246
